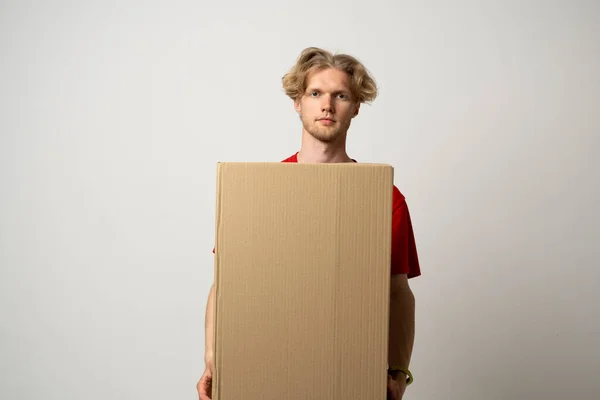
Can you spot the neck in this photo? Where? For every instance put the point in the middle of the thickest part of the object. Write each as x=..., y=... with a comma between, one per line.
x=315, y=151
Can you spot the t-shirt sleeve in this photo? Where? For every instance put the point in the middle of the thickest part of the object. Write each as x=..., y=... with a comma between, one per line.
x=405, y=259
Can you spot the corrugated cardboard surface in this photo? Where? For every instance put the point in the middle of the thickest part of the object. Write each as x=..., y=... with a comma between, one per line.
x=302, y=273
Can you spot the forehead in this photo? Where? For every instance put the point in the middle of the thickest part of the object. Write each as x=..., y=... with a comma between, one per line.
x=330, y=79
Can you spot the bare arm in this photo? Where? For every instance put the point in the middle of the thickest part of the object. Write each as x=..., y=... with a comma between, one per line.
x=204, y=385
x=209, y=324
x=402, y=322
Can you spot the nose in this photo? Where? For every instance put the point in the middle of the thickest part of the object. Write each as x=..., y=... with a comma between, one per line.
x=327, y=104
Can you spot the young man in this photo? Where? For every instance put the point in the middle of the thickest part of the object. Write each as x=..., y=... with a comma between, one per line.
x=327, y=91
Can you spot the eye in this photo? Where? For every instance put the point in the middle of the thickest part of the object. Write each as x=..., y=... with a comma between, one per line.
x=313, y=93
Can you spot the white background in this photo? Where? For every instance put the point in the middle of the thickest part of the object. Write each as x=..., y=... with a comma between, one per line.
x=113, y=116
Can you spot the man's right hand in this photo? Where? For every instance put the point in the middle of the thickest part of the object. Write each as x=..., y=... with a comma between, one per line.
x=204, y=385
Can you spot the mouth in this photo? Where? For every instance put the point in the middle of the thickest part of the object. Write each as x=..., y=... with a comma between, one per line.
x=326, y=121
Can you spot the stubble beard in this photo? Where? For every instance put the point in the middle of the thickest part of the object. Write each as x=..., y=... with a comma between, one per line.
x=323, y=133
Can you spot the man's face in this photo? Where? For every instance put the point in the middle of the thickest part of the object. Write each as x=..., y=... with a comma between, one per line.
x=327, y=107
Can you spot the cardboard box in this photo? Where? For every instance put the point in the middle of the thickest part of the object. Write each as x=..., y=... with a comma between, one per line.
x=302, y=274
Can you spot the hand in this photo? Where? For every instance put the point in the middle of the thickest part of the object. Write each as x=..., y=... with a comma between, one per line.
x=396, y=387
x=204, y=385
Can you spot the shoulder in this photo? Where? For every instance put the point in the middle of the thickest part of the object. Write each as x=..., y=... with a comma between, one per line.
x=293, y=158
x=398, y=199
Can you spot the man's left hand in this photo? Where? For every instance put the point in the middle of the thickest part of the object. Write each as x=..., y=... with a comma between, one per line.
x=396, y=387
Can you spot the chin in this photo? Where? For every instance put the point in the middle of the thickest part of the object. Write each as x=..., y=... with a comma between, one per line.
x=324, y=135
x=326, y=138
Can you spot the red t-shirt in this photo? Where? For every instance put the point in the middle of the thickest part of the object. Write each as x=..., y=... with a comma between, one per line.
x=404, y=249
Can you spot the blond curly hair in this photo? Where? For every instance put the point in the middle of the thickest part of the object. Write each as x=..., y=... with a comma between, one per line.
x=363, y=86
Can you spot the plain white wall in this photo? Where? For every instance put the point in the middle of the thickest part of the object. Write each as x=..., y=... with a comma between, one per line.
x=114, y=115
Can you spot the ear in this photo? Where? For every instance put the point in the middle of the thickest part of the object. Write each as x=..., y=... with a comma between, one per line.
x=297, y=106
x=356, y=110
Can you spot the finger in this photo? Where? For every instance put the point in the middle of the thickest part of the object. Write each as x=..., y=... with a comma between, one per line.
x=393, y=390
x=199, y=389
x=390, y=390
x=204, y=395
x=203, y=388
x=207, y=388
